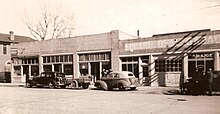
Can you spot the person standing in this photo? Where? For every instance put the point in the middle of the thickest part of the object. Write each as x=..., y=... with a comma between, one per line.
x=210, y=81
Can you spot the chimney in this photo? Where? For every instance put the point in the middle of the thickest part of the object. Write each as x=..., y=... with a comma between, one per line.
x=138, y=35
x=12, y=37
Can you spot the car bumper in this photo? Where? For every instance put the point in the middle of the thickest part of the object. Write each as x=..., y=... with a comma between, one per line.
x=132, y=86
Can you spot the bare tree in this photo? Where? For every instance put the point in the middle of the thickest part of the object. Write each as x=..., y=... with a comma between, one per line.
x=50, y=26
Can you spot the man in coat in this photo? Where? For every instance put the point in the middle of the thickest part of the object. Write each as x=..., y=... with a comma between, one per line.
x=210, y=81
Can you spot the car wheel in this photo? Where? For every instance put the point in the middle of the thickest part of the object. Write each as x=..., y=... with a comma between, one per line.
x=85, y=86
x=121, y=87
x=51, y=85
x=73, y=85
x=133, y=88
x=98, y=86
x=28, y=85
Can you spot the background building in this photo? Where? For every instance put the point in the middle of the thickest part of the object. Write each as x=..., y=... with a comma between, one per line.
x=160, y=60
x=6, y=40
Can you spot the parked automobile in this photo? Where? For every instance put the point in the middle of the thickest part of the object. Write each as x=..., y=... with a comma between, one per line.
x=199, y=86
x=50, y=79
x=5, y=77
x=118, y=79
x=82, y=81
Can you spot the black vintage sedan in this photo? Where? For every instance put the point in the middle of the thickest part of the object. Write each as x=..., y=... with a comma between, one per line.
x=49, y=79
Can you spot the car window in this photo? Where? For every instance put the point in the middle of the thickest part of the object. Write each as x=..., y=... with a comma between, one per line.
x=116, y=75
x=111, y=75
x=130, y=74
x=42, y=75
x=48, y=75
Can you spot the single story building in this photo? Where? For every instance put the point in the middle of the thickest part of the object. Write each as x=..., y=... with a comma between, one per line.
x=160, y=60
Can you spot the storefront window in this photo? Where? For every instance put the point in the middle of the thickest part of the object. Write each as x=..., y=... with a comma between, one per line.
x=94, y=57
x=58, y=68
x=68, y=69
x=66, y=58
x=70, y=58
x=83, y=69
x=61, y=58
x=48, y=59
x=47, y=67
x=34, y=70
x=17, y=70
x=57, y=58
x=169, y=65
x=130, y=64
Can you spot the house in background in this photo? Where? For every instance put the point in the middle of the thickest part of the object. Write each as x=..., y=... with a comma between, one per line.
x=6, y=41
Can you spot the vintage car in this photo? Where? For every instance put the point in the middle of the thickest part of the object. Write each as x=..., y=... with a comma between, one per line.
x=199, y=86
x=5, y=77
x=118, y=79
x=49, y=79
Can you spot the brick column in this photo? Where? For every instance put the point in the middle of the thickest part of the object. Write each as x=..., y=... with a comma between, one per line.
x=76, y=72
x=184, y=74
x=115, y=60
x=216, y=61
x=140, y=70
x=40, y=58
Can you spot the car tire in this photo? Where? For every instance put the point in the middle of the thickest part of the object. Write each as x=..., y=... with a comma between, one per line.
x=73, y=85
x=98, y=86
x=51, y=85
x=28, y=85
x=132, y=88
x=121, y=87
x=85, y=86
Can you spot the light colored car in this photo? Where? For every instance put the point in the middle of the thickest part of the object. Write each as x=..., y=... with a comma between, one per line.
x=118, y=79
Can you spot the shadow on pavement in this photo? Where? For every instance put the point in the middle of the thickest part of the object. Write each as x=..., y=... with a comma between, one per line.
x=178, y=92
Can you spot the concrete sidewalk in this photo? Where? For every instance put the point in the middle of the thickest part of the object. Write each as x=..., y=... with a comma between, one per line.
x=12, y=84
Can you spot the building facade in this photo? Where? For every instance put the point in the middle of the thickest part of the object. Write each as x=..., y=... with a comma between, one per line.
x=160, y=60
x=6, y=41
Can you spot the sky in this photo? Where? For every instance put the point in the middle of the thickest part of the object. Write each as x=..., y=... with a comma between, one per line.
x=98, y=16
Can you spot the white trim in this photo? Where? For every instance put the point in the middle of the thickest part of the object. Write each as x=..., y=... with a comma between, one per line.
x=177, y=52
x=55, y=54
x=95, y=51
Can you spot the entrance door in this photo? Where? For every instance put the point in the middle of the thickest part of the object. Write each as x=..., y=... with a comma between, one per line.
x=25, y=72
x=147, y=78
x=95, y=69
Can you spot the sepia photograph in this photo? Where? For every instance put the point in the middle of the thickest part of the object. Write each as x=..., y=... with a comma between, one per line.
x=109, y=57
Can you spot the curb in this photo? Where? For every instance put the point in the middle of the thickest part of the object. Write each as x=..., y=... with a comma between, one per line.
x=11, y=85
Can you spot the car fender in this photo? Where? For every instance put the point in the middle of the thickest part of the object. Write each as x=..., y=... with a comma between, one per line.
x=102, y=84
x=76, y=82
x=124, y=83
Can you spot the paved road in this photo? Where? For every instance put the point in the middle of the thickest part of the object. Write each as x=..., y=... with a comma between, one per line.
x=19, y=100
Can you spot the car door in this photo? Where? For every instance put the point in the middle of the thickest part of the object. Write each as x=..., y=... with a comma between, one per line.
x=48, y=78
x=113, y=80
x=109, y=79
x=41, y=78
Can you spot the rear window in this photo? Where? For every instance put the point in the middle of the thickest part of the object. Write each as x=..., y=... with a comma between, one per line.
x=130, y=74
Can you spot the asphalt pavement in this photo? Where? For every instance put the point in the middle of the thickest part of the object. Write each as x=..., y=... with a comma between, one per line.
x=142, y=89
